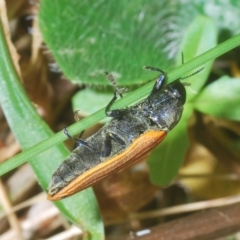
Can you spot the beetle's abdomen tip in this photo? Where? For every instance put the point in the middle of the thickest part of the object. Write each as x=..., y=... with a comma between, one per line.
x=49, y=197
x=52, y=197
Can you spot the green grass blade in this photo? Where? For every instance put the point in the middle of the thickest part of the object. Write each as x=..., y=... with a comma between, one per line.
x=29, y=129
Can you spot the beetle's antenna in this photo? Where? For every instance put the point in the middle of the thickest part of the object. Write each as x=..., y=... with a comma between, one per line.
x=153, y=69
x=199, y=70
x=112, y=80
x=78, y=141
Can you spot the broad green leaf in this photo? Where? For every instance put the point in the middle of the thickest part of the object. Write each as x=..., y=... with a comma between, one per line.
x=166, y=159
x=89, y=37
x=221, y=99
x=29, y=129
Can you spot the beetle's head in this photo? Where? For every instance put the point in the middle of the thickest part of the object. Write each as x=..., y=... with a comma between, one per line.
x=177, y=90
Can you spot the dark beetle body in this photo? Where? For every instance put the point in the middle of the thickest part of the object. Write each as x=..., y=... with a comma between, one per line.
x=159, y=112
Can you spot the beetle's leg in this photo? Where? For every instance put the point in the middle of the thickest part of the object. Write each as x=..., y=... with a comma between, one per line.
x=107, y=146
x=158, y=84
x=112, y=80
x=153, y=69
x=160, y=81
x=108, y=143
x=79, y=142
x=116, y=113
x=77, y=118
x=79, y=138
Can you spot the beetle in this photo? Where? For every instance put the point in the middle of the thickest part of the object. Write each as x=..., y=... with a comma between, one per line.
x=132, y=133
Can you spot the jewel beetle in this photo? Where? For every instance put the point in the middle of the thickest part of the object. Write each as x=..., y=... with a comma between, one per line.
x=131, y=133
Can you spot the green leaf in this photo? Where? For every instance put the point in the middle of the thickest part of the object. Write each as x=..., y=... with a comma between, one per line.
x=220, y=98
x=87, y=38
x=30, y=129
x=167, y=158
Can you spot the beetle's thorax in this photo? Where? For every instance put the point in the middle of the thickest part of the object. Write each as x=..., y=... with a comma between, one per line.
x=164, y=107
